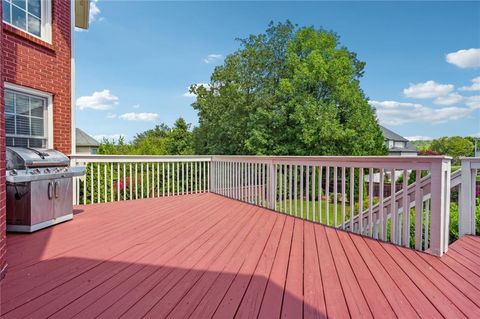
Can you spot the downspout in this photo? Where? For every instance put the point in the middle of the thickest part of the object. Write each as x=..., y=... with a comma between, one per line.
x=72, y=79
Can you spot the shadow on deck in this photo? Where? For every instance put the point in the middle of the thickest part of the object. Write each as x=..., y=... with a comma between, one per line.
x=207, y=256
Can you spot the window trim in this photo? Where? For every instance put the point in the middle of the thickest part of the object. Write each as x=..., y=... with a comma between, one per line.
x=45, y=22
x=45, y=95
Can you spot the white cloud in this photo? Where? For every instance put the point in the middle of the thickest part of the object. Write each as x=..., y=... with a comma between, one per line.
x=426, y=90
x=111, y=116
x=473, y=102
x=94, y=15
x=102, y=100
x=212, y=58
x=115, y=137
x=419, y=138
x=190, y=94
x=136, y=106
x=398, y=113
x=474, y=87
x=465, y=58
x=450, y=99
x=145, y=117
x=94, y=11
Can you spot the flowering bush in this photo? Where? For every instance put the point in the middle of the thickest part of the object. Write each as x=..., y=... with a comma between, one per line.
x=120, y=184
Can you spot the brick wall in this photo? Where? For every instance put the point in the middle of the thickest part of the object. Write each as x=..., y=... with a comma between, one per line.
x=3, y=238
x=33, y=63
x=30, y=62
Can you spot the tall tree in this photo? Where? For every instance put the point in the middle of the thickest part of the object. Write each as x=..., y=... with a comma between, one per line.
x=288, y=91
x=180, y=139
x=159, y=131
x=455, y=146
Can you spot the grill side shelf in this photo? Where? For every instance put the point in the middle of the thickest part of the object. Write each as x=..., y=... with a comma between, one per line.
x=22, y=177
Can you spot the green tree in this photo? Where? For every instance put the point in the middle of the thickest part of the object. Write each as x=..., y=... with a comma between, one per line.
x=152, y=142
x=113, y=147
x=422, y=145
x=289, y=91
x=455, y=146
x=158, y=132
x=161, y=140
x=180, y=139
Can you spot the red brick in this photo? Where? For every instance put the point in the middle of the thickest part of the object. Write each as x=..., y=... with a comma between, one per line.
x=30, y=62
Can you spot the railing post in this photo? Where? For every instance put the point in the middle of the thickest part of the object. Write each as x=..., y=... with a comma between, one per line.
x=212, y=184
x=440, y=207
x=272, y=186
x=73, y=163
x=208, y=167
x=466, y=209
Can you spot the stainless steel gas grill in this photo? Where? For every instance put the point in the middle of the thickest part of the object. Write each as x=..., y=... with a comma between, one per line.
x=39, y=188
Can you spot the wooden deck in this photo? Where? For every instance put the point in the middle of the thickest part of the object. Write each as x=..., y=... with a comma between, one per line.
x=205, y=256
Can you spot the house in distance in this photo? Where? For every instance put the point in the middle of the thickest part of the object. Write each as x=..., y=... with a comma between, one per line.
x=397, y=144
x=85, y=144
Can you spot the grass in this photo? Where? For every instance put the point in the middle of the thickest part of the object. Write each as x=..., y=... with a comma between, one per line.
x=308, y=210
x=454, y=168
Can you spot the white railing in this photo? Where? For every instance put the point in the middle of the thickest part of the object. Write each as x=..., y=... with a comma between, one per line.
x=352, y=193
x=424, y=186
x=336, y=191
x=466, y=182
x=111, y=178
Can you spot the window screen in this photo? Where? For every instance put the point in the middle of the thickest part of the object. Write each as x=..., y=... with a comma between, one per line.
x=25, y=120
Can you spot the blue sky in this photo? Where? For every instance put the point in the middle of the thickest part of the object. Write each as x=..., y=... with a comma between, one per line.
x=135, y=63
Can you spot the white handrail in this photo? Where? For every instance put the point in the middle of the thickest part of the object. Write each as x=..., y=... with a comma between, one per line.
x=139, y=158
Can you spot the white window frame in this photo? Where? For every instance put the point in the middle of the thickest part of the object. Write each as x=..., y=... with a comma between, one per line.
x=45, y=95
x=45, y=23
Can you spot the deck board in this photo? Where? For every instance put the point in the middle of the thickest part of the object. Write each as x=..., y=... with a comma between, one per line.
x=314, y=298
x=272, y=300
x=354, y=297
x=204, y=255
x=293, y=295
x=417, y=299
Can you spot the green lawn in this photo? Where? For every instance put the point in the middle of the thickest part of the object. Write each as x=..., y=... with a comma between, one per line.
x=309, y=214
x=455, y=168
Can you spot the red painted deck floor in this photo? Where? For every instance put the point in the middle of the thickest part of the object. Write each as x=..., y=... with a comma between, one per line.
x=205, y=256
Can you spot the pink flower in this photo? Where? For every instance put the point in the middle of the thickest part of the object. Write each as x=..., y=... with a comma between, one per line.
x=120, y=185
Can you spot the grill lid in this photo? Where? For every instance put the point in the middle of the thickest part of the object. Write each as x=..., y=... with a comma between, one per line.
x=22, y=158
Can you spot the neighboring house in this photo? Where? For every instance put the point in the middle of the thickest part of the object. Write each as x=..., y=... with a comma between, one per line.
x=36, y=80
x=85, y=144
x=398, y=145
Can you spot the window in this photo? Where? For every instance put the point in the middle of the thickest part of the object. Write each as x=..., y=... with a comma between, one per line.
x=26, y=119
x=31, y=16
x=399, y=144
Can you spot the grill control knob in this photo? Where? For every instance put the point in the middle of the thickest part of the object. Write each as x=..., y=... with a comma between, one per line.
x=35, y=171
x=47, y=170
